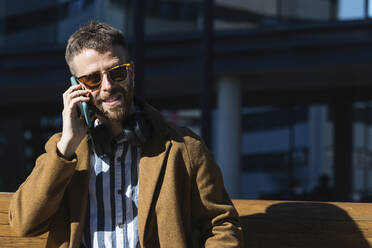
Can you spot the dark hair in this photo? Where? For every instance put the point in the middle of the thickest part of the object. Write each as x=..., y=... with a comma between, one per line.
x=94, y=35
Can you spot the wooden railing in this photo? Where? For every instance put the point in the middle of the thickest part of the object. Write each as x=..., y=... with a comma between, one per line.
x=7, y=237
x=267, y=224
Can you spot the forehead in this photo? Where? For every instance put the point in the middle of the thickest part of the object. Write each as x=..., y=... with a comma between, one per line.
x=90, y=60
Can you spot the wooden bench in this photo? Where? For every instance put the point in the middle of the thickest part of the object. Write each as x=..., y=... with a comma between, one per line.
x=267, y=224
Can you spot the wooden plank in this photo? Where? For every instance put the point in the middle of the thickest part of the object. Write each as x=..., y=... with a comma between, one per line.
x=4, y=218
x=4, y=201
x=306, y=210
x=8, y=242
x=4, y=206
x=7, y=236
x=6, y=230
x=268, y=224
x=281, y=240
x=305, y=224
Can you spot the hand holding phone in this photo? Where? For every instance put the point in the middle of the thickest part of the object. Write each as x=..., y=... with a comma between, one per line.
x=74, y=128
x=83, y=107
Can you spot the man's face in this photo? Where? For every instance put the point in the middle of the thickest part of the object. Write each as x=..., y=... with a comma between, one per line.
x=112, y=100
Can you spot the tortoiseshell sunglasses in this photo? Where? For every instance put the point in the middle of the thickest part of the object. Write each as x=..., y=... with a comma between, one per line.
x=116, y=73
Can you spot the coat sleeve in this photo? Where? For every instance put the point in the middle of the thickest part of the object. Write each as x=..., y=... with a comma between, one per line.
x=214, y=214
x=38, y=198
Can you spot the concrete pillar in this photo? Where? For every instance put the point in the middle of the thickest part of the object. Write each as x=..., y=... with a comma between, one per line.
x=228, y=145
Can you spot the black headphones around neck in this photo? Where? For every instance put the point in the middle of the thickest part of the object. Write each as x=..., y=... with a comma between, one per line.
x=136, y=132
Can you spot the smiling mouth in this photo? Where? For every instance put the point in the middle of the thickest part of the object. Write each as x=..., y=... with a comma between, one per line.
x=112, y=100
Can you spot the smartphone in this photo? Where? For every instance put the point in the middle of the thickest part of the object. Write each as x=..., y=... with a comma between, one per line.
x=83, y=107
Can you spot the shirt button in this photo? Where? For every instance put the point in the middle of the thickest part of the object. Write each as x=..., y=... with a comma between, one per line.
x=121, y=225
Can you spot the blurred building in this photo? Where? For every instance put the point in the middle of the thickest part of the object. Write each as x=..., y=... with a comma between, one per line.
x=289, y=101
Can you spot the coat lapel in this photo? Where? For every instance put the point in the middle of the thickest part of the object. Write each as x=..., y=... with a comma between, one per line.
x=154, y=155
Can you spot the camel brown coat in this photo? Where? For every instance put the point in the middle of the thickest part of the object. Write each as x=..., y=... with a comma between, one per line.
x=182, y=201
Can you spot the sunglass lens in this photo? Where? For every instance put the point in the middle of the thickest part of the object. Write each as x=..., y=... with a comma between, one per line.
x=92, y=80
x=118, y=74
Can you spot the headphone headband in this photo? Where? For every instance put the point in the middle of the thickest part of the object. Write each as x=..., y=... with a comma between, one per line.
x=136, y=131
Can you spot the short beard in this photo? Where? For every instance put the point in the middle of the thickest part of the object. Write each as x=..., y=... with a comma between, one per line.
x=120, y=112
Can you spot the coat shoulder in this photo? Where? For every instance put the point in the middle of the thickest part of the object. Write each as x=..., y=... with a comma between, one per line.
x=191, y=143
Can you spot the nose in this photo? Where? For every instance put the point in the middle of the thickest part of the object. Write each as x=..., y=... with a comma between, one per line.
x=106, y=83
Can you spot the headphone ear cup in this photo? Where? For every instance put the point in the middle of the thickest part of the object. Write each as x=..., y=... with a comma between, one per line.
x=137, y=131
x=131, y=137
x=142, y=130
x=101, y=140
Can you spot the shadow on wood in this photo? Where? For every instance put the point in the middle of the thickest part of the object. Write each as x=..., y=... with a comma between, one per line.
x=305, y=224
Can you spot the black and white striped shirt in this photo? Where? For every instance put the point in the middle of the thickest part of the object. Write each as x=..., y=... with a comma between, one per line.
x=113, y=195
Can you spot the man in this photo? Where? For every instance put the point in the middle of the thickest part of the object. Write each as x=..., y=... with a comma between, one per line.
x=163, y=189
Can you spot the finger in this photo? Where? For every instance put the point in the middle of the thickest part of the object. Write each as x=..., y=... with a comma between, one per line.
x=73, y=88
x=72, y=107
x=69, y=90
x=78, y=99
x=77, y=93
